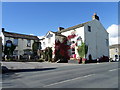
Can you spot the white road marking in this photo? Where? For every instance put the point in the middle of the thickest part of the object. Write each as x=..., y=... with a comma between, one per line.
x=113, y=70
x=69, y=80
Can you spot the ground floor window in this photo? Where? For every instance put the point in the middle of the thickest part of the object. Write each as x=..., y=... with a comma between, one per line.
x=15, y=52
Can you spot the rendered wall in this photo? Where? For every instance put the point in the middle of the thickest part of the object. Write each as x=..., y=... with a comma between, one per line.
x=96, y=40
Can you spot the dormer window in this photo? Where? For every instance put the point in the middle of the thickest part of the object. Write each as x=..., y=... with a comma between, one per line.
x=89, y=28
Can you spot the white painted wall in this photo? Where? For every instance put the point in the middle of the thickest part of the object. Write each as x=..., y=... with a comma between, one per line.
x=78, y=32
x=96, y=40
x=48, y=44
x=3, y=39
x=46, y=41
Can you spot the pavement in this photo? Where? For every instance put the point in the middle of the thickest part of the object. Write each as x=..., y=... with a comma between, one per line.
x=59, y=75
x=24, y=66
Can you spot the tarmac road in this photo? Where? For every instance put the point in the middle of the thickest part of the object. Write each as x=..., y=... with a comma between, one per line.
x=103, y=75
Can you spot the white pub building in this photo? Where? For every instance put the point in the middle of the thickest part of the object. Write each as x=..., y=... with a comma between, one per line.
x=92, y=33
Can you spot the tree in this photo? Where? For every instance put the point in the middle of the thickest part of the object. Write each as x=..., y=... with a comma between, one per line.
x=48, y=54
x=35, y=47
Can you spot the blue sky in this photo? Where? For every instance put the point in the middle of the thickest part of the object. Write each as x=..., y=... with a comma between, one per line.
x=40, y=17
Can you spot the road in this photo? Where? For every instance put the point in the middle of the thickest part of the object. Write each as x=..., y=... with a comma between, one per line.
x=103, y=75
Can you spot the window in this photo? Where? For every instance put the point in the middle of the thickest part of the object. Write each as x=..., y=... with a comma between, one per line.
x=49, y=40
x=49, y=35
x=73, y=50
x=107, y=42
x=15, y=52
x=15, y=42
x=39, y=45
x=44, y=44
x=116, y=50
x=28, y=43
x=89, y=28
x=8, y=44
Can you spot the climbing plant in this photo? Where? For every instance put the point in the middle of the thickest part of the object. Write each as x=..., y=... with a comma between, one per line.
x=35, y=47
x=9, y=50
x=61, y=50
x=82, y=50
x=48, y=54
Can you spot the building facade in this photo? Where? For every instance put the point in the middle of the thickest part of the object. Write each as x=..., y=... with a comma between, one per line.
x=91, y=33
x=115, y=52
x=22, y=42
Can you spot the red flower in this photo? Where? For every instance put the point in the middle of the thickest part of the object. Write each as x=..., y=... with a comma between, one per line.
x=71, y=36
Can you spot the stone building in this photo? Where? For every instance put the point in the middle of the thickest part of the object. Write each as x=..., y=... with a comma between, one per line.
x=115, y=52
x=22, y=42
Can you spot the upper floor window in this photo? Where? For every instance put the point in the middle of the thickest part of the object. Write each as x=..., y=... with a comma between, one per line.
x=15, y=42
x=49, y=40
x=107, y=42
x=8, y=43
x=89, y=28
x=44, y=44
x=49, y=35
x=28, y=43
x=116, y=50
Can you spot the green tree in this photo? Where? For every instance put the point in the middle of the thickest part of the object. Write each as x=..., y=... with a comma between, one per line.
x=35, y=47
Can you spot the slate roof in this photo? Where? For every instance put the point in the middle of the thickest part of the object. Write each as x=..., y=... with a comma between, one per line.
x=73, y=27
x=17, y=35
x=58, y=34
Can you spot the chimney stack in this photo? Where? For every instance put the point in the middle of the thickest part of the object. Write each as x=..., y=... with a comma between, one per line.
x=95, y=17
x=60, y=28
x=3, y=29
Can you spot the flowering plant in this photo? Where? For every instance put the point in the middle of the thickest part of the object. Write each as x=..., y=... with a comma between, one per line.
x=71, y=36
x=61, y=50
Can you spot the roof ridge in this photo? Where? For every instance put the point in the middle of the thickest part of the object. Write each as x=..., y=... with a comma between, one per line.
x=74, y=27
x=17, y=33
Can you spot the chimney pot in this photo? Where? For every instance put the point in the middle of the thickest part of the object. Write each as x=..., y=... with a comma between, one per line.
x=3, y=29
x=95, y=16
x=60, y=28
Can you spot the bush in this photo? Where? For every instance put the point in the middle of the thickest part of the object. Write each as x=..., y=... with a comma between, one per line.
x=104, y=59
x=40, y=60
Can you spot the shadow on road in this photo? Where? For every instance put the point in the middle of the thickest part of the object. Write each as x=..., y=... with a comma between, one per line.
x=6, y=70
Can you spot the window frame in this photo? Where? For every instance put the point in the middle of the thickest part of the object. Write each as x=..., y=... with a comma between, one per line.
x=28, y=43
x=14, y=41
x=89, y=28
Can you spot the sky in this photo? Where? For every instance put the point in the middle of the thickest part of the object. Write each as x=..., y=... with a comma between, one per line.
x=38, y=18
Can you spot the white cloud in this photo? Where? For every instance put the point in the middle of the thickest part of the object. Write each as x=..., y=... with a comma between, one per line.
x=113, y=34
